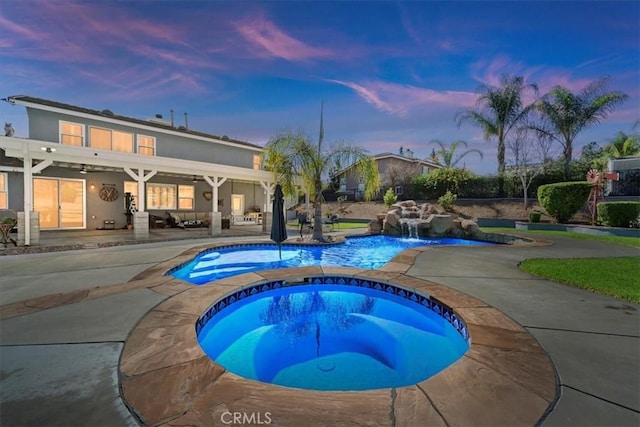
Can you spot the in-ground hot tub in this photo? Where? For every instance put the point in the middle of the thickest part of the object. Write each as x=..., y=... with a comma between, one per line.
x=332, y=333
x=505, y=378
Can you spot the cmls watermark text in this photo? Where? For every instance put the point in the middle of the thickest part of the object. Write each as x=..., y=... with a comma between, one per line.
x=246, y=418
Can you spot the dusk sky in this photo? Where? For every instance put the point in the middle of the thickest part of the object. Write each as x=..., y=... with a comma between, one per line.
x=390, y=74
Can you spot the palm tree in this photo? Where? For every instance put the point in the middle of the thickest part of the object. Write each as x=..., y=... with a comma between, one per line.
x=565, y=114
x=293, y=157
x=498, y=110
x=449, y=160
x=623, y=145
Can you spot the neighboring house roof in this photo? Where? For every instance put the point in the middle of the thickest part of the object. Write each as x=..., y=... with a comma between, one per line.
x=406, y=158
x=382, y=156
x=109, y=114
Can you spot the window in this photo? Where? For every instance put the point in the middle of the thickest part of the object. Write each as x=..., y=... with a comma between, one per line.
x=343, y=185
x=186, y=197
x=398, y=190
x=71, y=134
x=161, y=196
x=4, y=203
x=146, y=145
x=132, y=187
x=106, y=139
x=100, y=138
x=256, y=162
x=122, y=141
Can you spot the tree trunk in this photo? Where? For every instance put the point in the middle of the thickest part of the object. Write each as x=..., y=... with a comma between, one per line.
x=501, y=167
x=568, y=153
x=317, y=219
x=501, y=164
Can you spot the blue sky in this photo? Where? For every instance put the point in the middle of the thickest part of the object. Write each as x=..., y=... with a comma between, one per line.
x=390, y=74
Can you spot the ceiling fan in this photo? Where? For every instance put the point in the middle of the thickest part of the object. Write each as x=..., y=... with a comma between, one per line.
x=90, y=169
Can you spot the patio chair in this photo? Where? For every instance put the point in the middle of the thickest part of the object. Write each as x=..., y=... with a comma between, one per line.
x=333, y=220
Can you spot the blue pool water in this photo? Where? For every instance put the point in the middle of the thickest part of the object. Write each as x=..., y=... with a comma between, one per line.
x=362, y=252
x=331, y=337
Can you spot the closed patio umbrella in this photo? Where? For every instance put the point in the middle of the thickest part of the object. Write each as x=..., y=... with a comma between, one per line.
x=278, y=225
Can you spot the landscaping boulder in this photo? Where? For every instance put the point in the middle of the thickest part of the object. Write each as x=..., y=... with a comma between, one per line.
x=469, y=226
x=439, y=224
x=429, y=220
x=375, y=227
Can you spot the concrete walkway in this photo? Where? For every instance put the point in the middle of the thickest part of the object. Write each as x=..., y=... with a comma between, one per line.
x=59, y=365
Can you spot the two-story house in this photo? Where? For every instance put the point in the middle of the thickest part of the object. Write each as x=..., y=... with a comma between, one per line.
x=85, y=169
x=396, y=171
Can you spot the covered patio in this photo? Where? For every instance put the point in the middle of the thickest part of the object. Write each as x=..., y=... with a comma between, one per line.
x=32, y=158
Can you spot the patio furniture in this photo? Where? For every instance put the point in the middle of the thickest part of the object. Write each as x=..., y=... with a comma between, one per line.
x=333, y=220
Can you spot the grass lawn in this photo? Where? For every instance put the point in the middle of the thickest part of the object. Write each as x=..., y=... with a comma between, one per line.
x=619, y=240
x=617, y=277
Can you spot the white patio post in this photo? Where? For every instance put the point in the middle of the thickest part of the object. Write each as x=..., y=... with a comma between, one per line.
x=140, y=217
x=29, y=233
x=266, y=216
x=215, y=220
x=28, y=197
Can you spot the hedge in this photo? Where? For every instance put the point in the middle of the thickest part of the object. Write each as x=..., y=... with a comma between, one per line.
x=619, y=214
x=564, y=199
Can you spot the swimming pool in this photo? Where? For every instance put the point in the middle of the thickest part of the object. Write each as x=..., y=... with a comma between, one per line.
x=369, y=252
x=343, y=334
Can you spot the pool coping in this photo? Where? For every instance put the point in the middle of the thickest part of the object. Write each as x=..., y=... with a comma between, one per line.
x=506, y=377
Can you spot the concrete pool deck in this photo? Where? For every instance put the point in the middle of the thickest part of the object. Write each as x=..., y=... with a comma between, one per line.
x=59, y=353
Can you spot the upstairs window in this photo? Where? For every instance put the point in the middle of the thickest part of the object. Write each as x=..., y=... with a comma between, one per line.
x=107, y=139
x=256, y=162
x=100, y=138
x=122, y=141
x=4, y=203
x=146, y=145
x=71, y=134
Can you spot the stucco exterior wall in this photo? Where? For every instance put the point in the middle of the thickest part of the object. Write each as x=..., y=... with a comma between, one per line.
x=44, y=125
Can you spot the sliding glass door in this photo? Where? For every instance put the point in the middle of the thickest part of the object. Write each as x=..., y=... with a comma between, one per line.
x=60, y=202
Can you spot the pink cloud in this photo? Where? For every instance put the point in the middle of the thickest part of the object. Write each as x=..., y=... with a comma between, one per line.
x=399, y=99
x=15, y=28
x=490, y=73
x=98, y=50
x=274, y=42
x=139, y=82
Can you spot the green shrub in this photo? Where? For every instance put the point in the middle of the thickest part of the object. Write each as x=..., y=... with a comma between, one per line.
x=448, y=200
x=534, y=216
x=437, y=182
x=562, y=200
x=619, y=214
x=389, y=198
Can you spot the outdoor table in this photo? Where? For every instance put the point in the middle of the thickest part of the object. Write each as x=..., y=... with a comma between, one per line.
x=5, y=230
